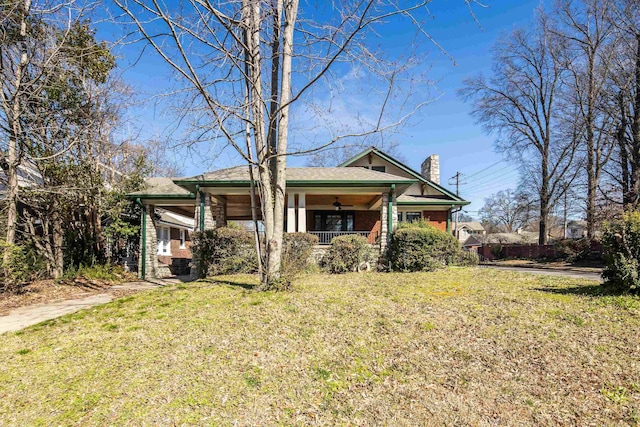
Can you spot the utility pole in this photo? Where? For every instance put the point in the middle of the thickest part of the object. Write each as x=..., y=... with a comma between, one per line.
x=456, y=180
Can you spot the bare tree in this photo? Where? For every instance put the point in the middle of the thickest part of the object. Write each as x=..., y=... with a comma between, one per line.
x=520, y=104
x=507, y=211
x=624, y=102
x=587, y=27
x=239, y=61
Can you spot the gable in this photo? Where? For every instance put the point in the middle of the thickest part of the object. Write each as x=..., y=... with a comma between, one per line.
x=372, y=157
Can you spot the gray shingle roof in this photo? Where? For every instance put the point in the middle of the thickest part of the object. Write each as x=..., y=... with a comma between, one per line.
x=160, y=186
x=241, y=173
x=471, y=225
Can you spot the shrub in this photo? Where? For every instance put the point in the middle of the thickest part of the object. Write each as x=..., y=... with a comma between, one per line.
x=224, y=251
x=347, y=253
x=573, y=250
x=422, y=247
x=467, y=259
x=100, y=272
x=296, y=252
x=621, y=243
x=21, y=265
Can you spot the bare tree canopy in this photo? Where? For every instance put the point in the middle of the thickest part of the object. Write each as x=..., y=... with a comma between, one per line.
x=520, y=102
x=246, y=64
x=507, y=211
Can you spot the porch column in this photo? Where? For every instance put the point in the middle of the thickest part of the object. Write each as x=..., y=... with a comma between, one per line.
x=394, y=213
x=302, y=213
x=291, y=213
x=384, y=227
x=203, y=215
x=221, y=212
x=148, y=259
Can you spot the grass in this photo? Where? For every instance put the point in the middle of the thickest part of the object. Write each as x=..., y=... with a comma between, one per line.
x=463, y=346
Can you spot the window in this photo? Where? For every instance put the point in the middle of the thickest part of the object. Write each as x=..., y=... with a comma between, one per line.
x=164, y=240
x=399, y=216
x=413, y=216
x=183, y=239
x=378, y=168
x=333, y=221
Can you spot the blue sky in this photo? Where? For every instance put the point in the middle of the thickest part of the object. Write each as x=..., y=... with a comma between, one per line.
x=444, y=127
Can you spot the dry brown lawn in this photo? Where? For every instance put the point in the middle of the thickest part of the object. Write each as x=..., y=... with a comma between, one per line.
x=455, y=347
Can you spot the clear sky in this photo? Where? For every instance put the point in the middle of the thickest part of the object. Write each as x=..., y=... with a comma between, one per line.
x=444, y=127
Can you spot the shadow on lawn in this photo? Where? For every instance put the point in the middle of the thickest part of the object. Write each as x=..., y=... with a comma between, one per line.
x=244, y=285
x=587, y=290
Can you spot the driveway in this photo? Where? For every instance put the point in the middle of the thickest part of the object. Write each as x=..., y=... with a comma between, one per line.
x=576, y=274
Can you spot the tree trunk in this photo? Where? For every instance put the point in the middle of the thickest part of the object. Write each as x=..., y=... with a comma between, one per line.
x=544, y=197
x=592, y=184
x=57, y=243
x=635, y=131
x=622, y=146
x=15, y=130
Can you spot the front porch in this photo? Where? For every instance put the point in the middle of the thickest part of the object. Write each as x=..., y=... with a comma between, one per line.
x=339, y=214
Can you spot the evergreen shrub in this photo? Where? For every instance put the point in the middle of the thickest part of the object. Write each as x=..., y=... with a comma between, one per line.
x=347, y=253
x=621, y=244
x=224, y=250
x=418, y=246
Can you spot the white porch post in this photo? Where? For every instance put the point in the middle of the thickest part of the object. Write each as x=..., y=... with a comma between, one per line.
x=302, y=213
x=291, y=213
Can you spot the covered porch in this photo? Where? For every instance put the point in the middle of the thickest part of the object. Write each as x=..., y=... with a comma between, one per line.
x=342, y=212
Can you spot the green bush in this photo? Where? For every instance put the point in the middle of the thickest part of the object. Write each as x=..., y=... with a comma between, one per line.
x=347, y=253
x=621, y=244
x=573, y=250
x=21, y=265
x=467, y=259
x=422, y=247
x=296, y=253
x=224, y=251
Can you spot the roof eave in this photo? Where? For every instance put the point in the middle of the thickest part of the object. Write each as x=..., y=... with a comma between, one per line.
x=443, y=202
x=134, y=196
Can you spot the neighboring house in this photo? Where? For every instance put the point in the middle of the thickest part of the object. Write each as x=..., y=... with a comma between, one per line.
x=475, y=241
x=366, y=195
x=173, y=236
x=28, y=176
x=466, y=229
x=576, y=229
x=518, y=238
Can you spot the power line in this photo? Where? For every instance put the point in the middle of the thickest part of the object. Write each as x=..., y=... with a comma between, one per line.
x=487, y=168
x=491, y=174
x=477, y=185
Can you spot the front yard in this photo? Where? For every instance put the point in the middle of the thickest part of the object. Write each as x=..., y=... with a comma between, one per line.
x=462, y=346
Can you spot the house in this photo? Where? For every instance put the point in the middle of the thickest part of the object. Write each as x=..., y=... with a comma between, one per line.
x=576, y=229
x=466, y=229
x=366, y=195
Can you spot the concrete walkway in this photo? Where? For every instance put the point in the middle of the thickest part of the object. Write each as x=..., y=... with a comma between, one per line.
x=22, y=317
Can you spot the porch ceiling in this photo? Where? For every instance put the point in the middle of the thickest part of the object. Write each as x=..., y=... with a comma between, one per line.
x=238, y=206
x=345, y=199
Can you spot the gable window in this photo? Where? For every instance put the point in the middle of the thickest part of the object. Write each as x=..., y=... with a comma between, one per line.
x=164, y=240
x=183, y=239
x=378, y=168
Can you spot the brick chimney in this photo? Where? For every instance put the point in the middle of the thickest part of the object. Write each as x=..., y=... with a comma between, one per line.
x=431, y=168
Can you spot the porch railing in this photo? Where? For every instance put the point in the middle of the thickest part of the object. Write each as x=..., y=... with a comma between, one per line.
x=325, y=237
